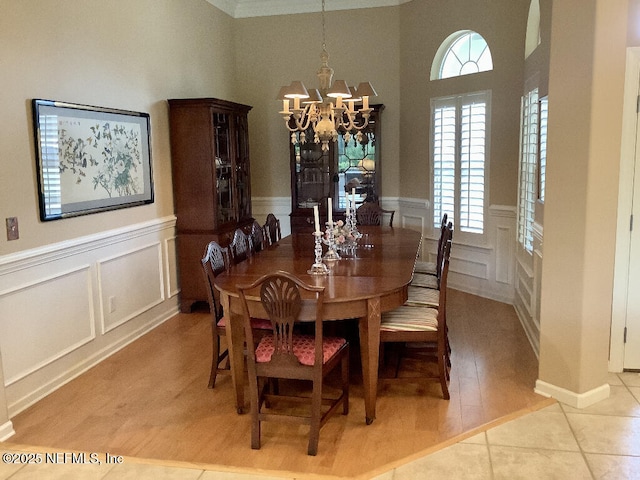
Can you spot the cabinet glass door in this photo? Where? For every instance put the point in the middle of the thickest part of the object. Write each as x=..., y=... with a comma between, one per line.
x=224, y=167
x=357, y=168
x=242, y=178
x=312, y=173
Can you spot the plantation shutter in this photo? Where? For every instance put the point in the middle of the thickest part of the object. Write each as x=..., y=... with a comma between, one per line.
x=527, y=174
x=444, y=162
x=459, y=160
x=544, y=114
x=472, y=159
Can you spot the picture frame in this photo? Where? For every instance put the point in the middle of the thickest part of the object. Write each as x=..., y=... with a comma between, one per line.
x=90, y=159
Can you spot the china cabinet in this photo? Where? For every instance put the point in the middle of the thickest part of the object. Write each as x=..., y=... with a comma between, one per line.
x=211, y=182
x=316, y=175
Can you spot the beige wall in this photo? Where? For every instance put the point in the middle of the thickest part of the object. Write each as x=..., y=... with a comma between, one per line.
x=585, y=98
x=119, y=54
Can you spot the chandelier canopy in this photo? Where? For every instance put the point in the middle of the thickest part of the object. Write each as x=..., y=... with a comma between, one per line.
x=316, y=108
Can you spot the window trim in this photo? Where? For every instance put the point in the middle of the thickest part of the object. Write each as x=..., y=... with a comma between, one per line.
x=444, y=49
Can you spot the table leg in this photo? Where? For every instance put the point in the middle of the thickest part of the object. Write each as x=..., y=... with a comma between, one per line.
x=235, y=345
x=369, y=327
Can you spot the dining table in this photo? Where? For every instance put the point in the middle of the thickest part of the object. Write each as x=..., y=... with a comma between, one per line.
x=362, y=285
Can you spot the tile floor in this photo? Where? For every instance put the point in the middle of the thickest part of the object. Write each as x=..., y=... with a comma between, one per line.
x=555, y=442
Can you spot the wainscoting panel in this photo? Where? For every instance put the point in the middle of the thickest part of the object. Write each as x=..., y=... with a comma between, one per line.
x=65, y=307
x=504, y=243
x=130, y=283
x=527, y=294
x=38, y=323
x=171, y=268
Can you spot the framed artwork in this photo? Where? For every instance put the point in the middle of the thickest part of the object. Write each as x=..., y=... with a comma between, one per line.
x=90, y=159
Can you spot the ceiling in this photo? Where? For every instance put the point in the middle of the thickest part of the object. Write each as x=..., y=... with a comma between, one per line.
x=263, y=8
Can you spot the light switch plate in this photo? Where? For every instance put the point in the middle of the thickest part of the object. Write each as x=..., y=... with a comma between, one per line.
x=12, y=228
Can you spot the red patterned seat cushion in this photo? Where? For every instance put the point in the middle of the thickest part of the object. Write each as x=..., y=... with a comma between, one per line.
x=260, y=323
x=303, y=348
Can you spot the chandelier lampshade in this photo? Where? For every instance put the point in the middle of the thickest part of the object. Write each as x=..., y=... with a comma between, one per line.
x=330, y=109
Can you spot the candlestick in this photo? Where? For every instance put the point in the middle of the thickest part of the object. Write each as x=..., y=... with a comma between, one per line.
x=317, y=219
x=318, y=268
x=330, y=241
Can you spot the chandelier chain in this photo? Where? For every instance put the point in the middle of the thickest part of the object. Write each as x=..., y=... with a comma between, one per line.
x=324, y=45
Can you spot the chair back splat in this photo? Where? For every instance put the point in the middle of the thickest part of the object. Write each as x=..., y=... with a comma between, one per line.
x=286, y=354
x=430, y=268
x=258, y=241
x=272, y=229
x=370, y=213
x=240, y=248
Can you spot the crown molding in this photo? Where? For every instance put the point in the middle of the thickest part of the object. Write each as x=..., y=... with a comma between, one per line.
x=264, y=8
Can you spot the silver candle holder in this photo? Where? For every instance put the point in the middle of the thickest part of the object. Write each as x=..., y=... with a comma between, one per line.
x=318, y=268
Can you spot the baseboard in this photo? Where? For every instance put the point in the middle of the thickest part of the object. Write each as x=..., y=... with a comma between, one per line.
x=573, y=399
x=6, y=431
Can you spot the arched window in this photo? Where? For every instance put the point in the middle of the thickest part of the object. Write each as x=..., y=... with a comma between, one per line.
x=533, y=28
x=462, y=53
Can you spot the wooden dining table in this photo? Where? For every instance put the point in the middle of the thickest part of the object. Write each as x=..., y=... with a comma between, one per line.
x=360, y=286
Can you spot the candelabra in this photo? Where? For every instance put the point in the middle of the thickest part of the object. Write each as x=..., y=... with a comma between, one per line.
x=318, y=268
x=351, y=223
x=330, y=241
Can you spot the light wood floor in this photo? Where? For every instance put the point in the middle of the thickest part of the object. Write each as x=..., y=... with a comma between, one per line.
x=151, y=400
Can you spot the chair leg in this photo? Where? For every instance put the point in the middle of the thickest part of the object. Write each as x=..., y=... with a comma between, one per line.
x=345, y=383
x=314, y=430
x=215, y=341
x=442, y=369
x=255, y=393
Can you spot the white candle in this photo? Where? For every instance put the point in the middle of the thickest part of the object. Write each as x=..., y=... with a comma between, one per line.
x=348, y=204
x=353, y=197
x=329, y=210
x=316, y=218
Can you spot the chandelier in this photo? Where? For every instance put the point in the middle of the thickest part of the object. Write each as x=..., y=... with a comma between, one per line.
x=316, y=108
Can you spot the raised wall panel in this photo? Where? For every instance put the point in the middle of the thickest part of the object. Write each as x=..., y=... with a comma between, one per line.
x=171, y=268
x=504, y=243
x=130, y=283
x=42, y=321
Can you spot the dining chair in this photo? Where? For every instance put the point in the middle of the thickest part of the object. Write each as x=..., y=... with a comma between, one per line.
x=430, y=267
x=425, y=327
x=285, y=354
x=214, y=262
x=371, y=213
x=258, y=242
x=240, y=248
x=272, y=230
x=429, y=280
